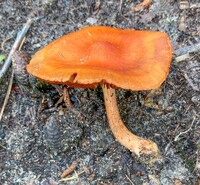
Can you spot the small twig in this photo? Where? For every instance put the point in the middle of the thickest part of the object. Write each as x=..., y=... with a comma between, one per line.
x=194, y=87
x=182, y=57
x=130, y=180
x=187, y=109
x=66, y=99
x=197, y=165
x=72, y=177
x=195, y=5
x=70, y=169
x=10, y=36
x=171, y=140
x=187, y=49
x=64, y=96
x=22, y=43
x=184, y=52
x=60, y=100
x=15, y=46
x=7, y=95
x=120, y=5
x=181, y=133
x=18, y=44
x=86, y=170
x=183, y=5
x=58, y=88
x=3, y=146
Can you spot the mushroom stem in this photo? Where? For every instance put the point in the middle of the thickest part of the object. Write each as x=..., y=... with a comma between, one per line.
x=134, y=143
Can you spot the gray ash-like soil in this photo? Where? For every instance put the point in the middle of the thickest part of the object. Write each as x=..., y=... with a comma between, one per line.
x=38, y=141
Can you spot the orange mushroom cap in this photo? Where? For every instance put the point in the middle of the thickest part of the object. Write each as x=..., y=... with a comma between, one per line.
x=128, y=59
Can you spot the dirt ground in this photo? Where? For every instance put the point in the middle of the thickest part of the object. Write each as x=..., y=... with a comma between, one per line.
x=39, y=140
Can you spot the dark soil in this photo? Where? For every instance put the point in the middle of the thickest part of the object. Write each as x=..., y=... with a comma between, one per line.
x=38, y=141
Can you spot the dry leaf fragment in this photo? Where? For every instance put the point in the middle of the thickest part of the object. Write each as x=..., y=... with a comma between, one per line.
x=86, y=170
x=148, y=101
x=177, y=182
x=143, y=5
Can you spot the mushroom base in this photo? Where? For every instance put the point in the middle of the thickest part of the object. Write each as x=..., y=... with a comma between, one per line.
x=134, y=143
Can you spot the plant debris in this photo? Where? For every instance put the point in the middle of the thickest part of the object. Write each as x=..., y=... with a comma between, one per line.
x=145, y=4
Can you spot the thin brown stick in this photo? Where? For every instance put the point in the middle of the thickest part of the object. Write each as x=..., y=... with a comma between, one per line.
x=58, y=88
x=7, y=95
x=72, y=177
x=66, y=99
x=130, y=180
x=70, y=169
x=10, y=36
x=22, y=43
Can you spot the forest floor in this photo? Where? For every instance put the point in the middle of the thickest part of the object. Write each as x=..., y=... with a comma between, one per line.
x=169, y=116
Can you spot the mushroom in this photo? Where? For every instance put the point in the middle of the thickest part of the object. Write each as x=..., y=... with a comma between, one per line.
x=113, y=58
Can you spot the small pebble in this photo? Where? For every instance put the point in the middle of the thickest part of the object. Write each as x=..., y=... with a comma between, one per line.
x=196, y=99
x=61, y=112
x=184, y=4
x=182, y=25
x=91, y=20
x=2, y=134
